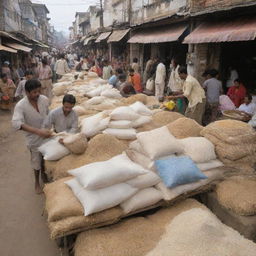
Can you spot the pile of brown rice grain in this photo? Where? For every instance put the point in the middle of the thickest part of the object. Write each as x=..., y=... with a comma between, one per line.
x=162, y=118
x=184, y=127
x=132, y=99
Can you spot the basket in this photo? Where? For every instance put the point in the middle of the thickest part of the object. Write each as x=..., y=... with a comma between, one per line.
x=234, y=114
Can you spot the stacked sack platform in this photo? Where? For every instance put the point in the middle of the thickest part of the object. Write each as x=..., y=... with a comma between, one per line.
x=235, y=141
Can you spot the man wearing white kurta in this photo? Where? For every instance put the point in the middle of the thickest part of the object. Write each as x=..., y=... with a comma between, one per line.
x=29, y=114
x=160, y=80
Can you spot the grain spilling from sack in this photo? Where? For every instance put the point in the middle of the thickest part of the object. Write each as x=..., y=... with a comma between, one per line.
x=165, y=117
x=132, y=99
x=60, y=201
x=131, y=237
x=50, y=168
x=100, y=148
x=198, y=232
x=76, y=143
x=238, y=194
x=185, y=127
x=77, y=224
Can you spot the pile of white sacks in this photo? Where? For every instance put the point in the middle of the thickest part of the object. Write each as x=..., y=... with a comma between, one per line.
x=120, y=122
x=156, y=166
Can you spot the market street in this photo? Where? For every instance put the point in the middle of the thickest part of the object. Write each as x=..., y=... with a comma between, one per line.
x=23, y=231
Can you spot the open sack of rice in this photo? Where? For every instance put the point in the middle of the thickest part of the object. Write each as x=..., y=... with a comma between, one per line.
x=238, y=194
x=187, y=228
x=234, y=141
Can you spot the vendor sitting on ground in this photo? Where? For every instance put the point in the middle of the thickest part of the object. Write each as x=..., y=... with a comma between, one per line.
x=125, y=87
x=63, y=119
x=237, y=93
x=7, y=89
x=135, y=79
x=248, y=108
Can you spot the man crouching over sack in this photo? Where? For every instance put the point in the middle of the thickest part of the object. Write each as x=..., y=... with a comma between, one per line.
x=29, y=114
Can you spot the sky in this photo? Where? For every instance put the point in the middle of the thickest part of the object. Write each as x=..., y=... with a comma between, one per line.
x=62, y=12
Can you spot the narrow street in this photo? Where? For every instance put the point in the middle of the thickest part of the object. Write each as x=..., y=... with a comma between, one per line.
x=23, y=228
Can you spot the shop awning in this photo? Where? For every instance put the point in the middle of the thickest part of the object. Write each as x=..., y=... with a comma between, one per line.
x=88, y=39
x=118, y=35
x=19, y=47
x=243, y=29
x=158, y=35
x=103, y=36
x=7, y=49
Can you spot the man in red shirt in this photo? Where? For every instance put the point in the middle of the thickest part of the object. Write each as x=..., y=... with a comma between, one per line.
x=237, y=93
x=135, y=80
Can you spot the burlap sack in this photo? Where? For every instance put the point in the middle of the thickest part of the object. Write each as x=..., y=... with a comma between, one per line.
x=230, y=131
x=100, y=148
x=60, y=201
x=76, y=143
x=132, y=99
x=75, y=224
x=238, y=194
x=184, y=127
x=131, y=237
x=198, y=232
x=50, y=168
x=165, y=117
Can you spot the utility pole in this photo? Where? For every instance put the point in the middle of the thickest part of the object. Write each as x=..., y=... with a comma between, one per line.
x=101, y=15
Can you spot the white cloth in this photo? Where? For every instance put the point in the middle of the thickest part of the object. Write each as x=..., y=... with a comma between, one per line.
x=160, y=80
x=25, y=113
x=175, y=82
x=21, y=89
x=61, y=67
x=250, y=108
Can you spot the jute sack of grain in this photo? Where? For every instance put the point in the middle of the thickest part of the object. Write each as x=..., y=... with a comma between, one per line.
x=79, y=110
x=132, y=99
x=165, y=117
x=60, y=202
x=50, y=167
x=231, y=131
x=77, y=223
x=100, y=148
x=184, y=127
x=75, y=143
x=197, y=231
x=151, y=101
x=131, y=237
x=238, y=194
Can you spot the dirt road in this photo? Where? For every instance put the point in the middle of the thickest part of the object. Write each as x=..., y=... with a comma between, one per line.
x=23, y=230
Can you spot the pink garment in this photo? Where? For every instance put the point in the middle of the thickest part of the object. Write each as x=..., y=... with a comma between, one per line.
x=226, y=103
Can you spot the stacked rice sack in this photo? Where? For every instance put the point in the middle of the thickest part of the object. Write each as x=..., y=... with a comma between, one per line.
x=187, y=228
x=235, y=141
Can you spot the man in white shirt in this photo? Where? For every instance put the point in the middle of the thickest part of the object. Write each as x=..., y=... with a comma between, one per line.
x=29, y=114
x=20, y=91
x=160, y=80
x=61, y=66
x=248, y=106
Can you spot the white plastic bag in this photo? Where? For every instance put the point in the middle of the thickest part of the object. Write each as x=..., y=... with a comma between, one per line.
x=120, y=124
x=95, y=100
x=106, y=173
x=149, y=179
x=124, y=113
x=210, y=165
x=111, y=93
x=141, y=109
x=79, y=110
x=141, y=121
x=122, y=134
x=52, y=150
x=142, y=199
x=150, y=85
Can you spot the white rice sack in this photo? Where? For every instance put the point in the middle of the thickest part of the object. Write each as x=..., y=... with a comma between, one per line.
x=52, y=150
x=100, y=81
x=135, y=145
x=120, y=124
x=159, y=143
x=94, y=92
x=199, y=149
x=124, y=113
x=111, y=93
x=106, y=173
x=95, y=100
x=93, y=125
x=60, y=88
x=147, y=180
x=122, y=134
x=98, y=200
x=142, y=199
x=141, y=121
x=76, y=143
x=141, y=109
x=209, y=165
x=79, y=110
x=140, y=159
x=172, y=193
x=92, y=75
x=62, y=84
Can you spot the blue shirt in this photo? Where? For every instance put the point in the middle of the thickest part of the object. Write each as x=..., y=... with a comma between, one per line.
x=113, y=80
